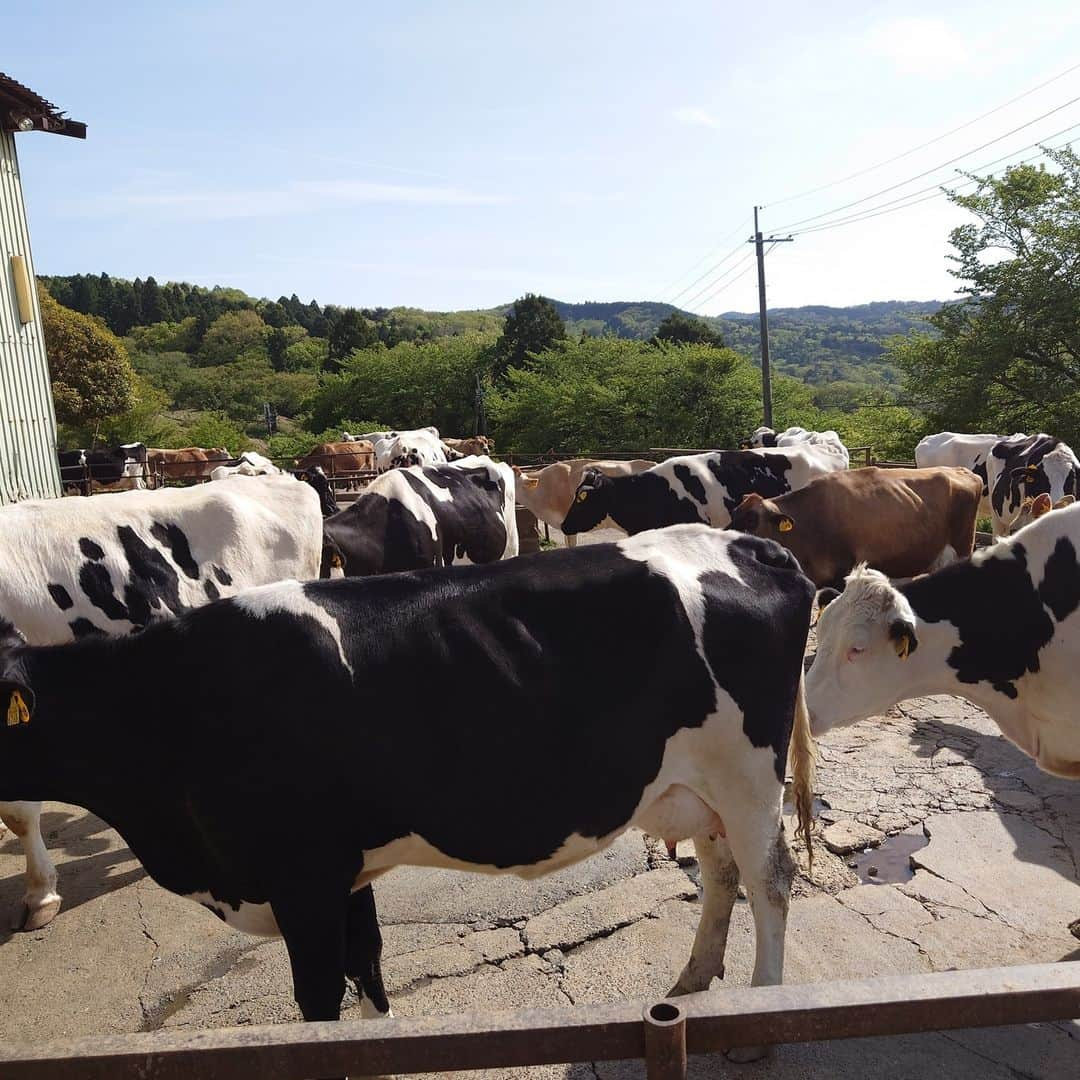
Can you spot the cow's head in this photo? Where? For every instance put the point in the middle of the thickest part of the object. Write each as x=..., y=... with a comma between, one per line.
x=318, y=480
x=17, y=704
x=332, y=563
x=1055, y=476
x=1031, y=509
x=763, y=436
x=523, y=480
x=762, y=517
x=864, y=639
x=591, y=503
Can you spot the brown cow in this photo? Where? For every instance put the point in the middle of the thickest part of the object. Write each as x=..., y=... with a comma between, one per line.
x=549, y=493
x=336, y=458
x=187, y=463
x=477, y=444
x=901, y=521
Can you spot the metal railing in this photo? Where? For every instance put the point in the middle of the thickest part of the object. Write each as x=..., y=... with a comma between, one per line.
x=663, y=1033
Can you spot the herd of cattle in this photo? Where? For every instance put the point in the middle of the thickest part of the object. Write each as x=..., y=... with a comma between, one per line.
x=665, y=671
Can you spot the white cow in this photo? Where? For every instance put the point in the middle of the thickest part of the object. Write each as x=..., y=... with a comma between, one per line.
x=249, y=463
x=766, y=438
x=110, y=565
x=956, y=448
x=1001, y=628
x=401, y=449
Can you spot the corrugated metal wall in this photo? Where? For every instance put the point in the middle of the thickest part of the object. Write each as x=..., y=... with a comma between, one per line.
x=28, y=467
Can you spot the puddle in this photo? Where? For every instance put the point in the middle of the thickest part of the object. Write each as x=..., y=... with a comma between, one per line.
x=890, y=862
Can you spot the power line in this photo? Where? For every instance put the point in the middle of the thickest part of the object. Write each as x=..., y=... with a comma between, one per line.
x=924, y=145
x=712, y=269
x=928, y=172
x=724, y=288
x=716, y=281
x=909, y=200
x=708, y=255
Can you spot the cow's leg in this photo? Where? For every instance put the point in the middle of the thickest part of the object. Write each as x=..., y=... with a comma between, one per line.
x=42, y=900
x=768, y=869
x=312, y=922
x=363, y=954
x=571, y=540
x=720, y=886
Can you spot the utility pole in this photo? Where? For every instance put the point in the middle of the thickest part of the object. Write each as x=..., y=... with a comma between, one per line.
x=766, y=374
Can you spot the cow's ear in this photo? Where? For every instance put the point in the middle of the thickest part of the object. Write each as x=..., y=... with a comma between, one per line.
x=826, y=596
x=17, y=702
x=531, y=481
x=1041, y=504
x=902, y=635
x=1065, y=500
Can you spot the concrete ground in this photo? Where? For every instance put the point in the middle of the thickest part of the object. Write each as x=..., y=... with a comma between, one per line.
x=976, y=852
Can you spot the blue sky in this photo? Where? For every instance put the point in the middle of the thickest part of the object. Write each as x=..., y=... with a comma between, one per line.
x=456, y=155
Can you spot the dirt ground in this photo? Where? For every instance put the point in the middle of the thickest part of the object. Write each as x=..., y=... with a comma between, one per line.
x=966, y=856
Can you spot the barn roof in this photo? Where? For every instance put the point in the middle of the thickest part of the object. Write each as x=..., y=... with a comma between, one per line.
x=23, y=110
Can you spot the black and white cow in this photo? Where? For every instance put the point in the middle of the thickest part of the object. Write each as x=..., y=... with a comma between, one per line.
x=402, y=449
x=697, y=487
x=664, y=673
x=113, y=564
x=407, y=519
x=767, y=438
x=971, y=451
x=82, y=470
x=1024, y=466
x=1001, y=628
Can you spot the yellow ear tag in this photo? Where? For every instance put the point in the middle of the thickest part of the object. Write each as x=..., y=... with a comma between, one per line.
x=17, y=712
x=336, y=563
x=786, y=525
x=582, y=496
x=902, y=646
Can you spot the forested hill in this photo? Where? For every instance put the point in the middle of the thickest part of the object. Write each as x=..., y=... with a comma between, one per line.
x=816, y=344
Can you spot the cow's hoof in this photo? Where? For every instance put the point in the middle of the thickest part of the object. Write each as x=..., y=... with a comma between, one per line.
x=743, y=1055
x=40, y=915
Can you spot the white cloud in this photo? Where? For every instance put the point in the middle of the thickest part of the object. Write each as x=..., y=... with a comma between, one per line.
x=695, y=116
x=308, y=196
x=920, y=46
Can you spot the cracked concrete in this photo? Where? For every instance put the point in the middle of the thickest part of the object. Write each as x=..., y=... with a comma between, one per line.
x=997, y=883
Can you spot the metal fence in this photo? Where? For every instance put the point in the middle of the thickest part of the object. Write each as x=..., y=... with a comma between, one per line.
x=663, y=1033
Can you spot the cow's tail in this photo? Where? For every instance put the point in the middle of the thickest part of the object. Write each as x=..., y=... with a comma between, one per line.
x=803, y=761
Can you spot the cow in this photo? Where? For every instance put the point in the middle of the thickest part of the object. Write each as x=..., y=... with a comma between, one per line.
x=1033, y=508
x=697, y=487
x=766, y=438
x=474, y=446
x=1001, y=628
x=186, y=463
x=121, y=468
x=340, y=458
x=249, y=463
x=317, y=479
x=1027, y=465
x=407, y=519
x=111, y=565
x=663, y=672
x=549, y=493
x=402, y=449
x=957, y=448
x=901, y=521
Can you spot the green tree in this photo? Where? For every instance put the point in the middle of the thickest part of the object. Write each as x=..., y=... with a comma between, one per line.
x=1007, y=356
x=231, y=335
x=349, y=331
x=92, y=377
x=681, y=329
x=532, y=325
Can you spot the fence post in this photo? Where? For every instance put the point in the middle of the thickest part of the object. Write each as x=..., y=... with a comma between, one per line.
x=665, y=1041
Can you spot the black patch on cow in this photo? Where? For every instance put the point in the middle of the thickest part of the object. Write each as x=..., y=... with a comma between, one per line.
x=151, y=573
x=96, y=582
x=223, y=576
x=138, y=604
x=378, y=534
x=1059, y=589
x=211, y=590
x=90, y=549
x=756, y=630
x=997, y=612
x=689, y=481
x=83, y=628
x=635, y=503
x=742, y=471
x=979, y=469
x=173, y=537
x=61, y=597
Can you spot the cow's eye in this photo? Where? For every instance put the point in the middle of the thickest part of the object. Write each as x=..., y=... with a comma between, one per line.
x=582, y=496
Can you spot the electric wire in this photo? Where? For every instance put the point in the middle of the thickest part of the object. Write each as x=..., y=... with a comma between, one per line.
x=927, y=172
x=924, y=145
x=708, y=255
x=712, y=270
x=716, y=281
